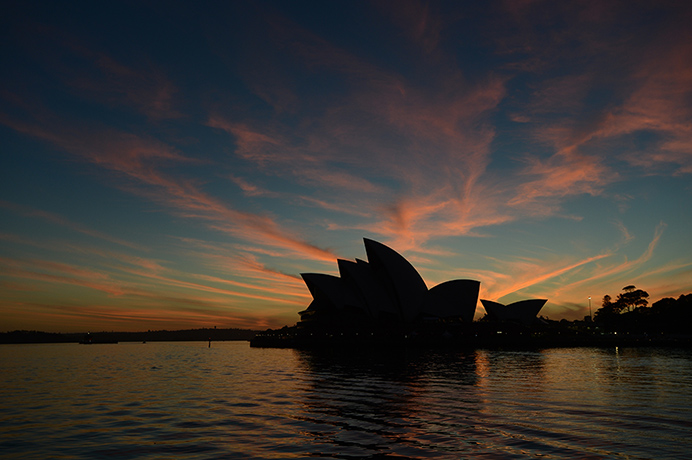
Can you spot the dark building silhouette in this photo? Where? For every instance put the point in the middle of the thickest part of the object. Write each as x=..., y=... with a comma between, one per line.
x=388, y=289
x=522, y=312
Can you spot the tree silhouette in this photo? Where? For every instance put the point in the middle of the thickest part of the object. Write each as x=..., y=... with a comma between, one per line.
x=632, y=297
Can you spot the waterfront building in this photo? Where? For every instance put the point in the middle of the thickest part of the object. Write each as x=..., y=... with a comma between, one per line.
x=523, y=312
x=385, y=289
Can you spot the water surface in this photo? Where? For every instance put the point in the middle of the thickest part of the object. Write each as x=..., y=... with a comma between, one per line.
x=185, y=400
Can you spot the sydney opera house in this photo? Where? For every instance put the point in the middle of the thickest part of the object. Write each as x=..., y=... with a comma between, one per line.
x=386, y=289
x=523, y=312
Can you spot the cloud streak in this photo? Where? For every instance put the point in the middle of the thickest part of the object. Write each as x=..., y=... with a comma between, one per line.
x=140, y=159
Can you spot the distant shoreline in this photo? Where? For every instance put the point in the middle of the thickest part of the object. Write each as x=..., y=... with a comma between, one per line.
x=474, y=336
x=483, y=343
x=185, y=335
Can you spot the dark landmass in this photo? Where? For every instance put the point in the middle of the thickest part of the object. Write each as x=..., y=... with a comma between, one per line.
x=667, y=322
x=187, y=335
x=476, y=335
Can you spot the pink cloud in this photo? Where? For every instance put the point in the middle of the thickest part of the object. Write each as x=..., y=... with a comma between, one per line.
x=524, y=274
x=275, y=152
x=250, y=189
x=442, y=141
x=649, y=89
x=140, y=158
x=251, y=144
x=60, y=273
x=659, y=104
x=564, y=174
x=179, y=283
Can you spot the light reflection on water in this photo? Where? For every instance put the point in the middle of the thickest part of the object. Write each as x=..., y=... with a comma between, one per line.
x=185, y=400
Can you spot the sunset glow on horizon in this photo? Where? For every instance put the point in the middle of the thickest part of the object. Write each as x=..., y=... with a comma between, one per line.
x=178, y=165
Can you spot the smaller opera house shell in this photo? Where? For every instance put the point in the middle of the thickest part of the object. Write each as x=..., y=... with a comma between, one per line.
x=522, y=312
x=385, y=289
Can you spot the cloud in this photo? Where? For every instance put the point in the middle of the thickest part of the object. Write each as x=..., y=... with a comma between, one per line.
x=60, y=273
x=564, y=174
x=617, y=273
x=145, y=88
x=421, y=24
x=97, y=76
x=250, y=189
x=141, y=160
x=523, y=274
x=394, y=144
x=155, y=316
x=64, y=222
x=614, y=94
x=252, y=145
x=142, y=283
x=626, y=235
x=280, y=155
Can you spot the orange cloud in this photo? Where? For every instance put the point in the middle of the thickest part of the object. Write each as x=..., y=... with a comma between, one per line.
x=621, y=269
x=54, y=272
x=524, y=274
x=564, y=174
x=77, y=318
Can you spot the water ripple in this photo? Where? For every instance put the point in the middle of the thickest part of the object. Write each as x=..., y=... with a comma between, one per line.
x=189, y=401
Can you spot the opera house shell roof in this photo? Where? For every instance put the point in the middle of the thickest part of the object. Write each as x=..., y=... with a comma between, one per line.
x=523, y=312
x=386, y=288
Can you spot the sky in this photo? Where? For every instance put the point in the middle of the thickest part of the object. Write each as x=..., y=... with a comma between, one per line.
x=170, y=165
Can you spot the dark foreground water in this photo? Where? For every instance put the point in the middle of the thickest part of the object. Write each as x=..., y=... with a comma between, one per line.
x=188, y=401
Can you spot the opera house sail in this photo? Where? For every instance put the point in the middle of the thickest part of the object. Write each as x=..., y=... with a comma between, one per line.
x=385, y=289
x=523, y=312
x=384, y=301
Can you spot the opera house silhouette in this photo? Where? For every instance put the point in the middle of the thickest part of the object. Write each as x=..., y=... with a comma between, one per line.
x=523, y=312
x=387, y=290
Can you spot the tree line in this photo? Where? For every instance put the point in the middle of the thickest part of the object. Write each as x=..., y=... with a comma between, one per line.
x=631, y=311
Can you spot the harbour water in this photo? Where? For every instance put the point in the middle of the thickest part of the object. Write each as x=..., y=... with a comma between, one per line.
x=185, y=400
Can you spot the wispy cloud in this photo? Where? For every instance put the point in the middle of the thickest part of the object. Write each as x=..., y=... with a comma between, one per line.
x=425, y=141
x=156, y=315
x=623, y=268
x=55, y=272
x=524, y=274
x=95, y=75
x=64, y=222
x=564, y=174
x=141, y=159
x=419, y=21
x=250, y=189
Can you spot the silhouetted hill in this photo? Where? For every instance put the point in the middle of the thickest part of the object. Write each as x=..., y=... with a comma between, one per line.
x=34, y=337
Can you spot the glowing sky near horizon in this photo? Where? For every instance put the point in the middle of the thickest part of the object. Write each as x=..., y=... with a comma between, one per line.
x=178, y=164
